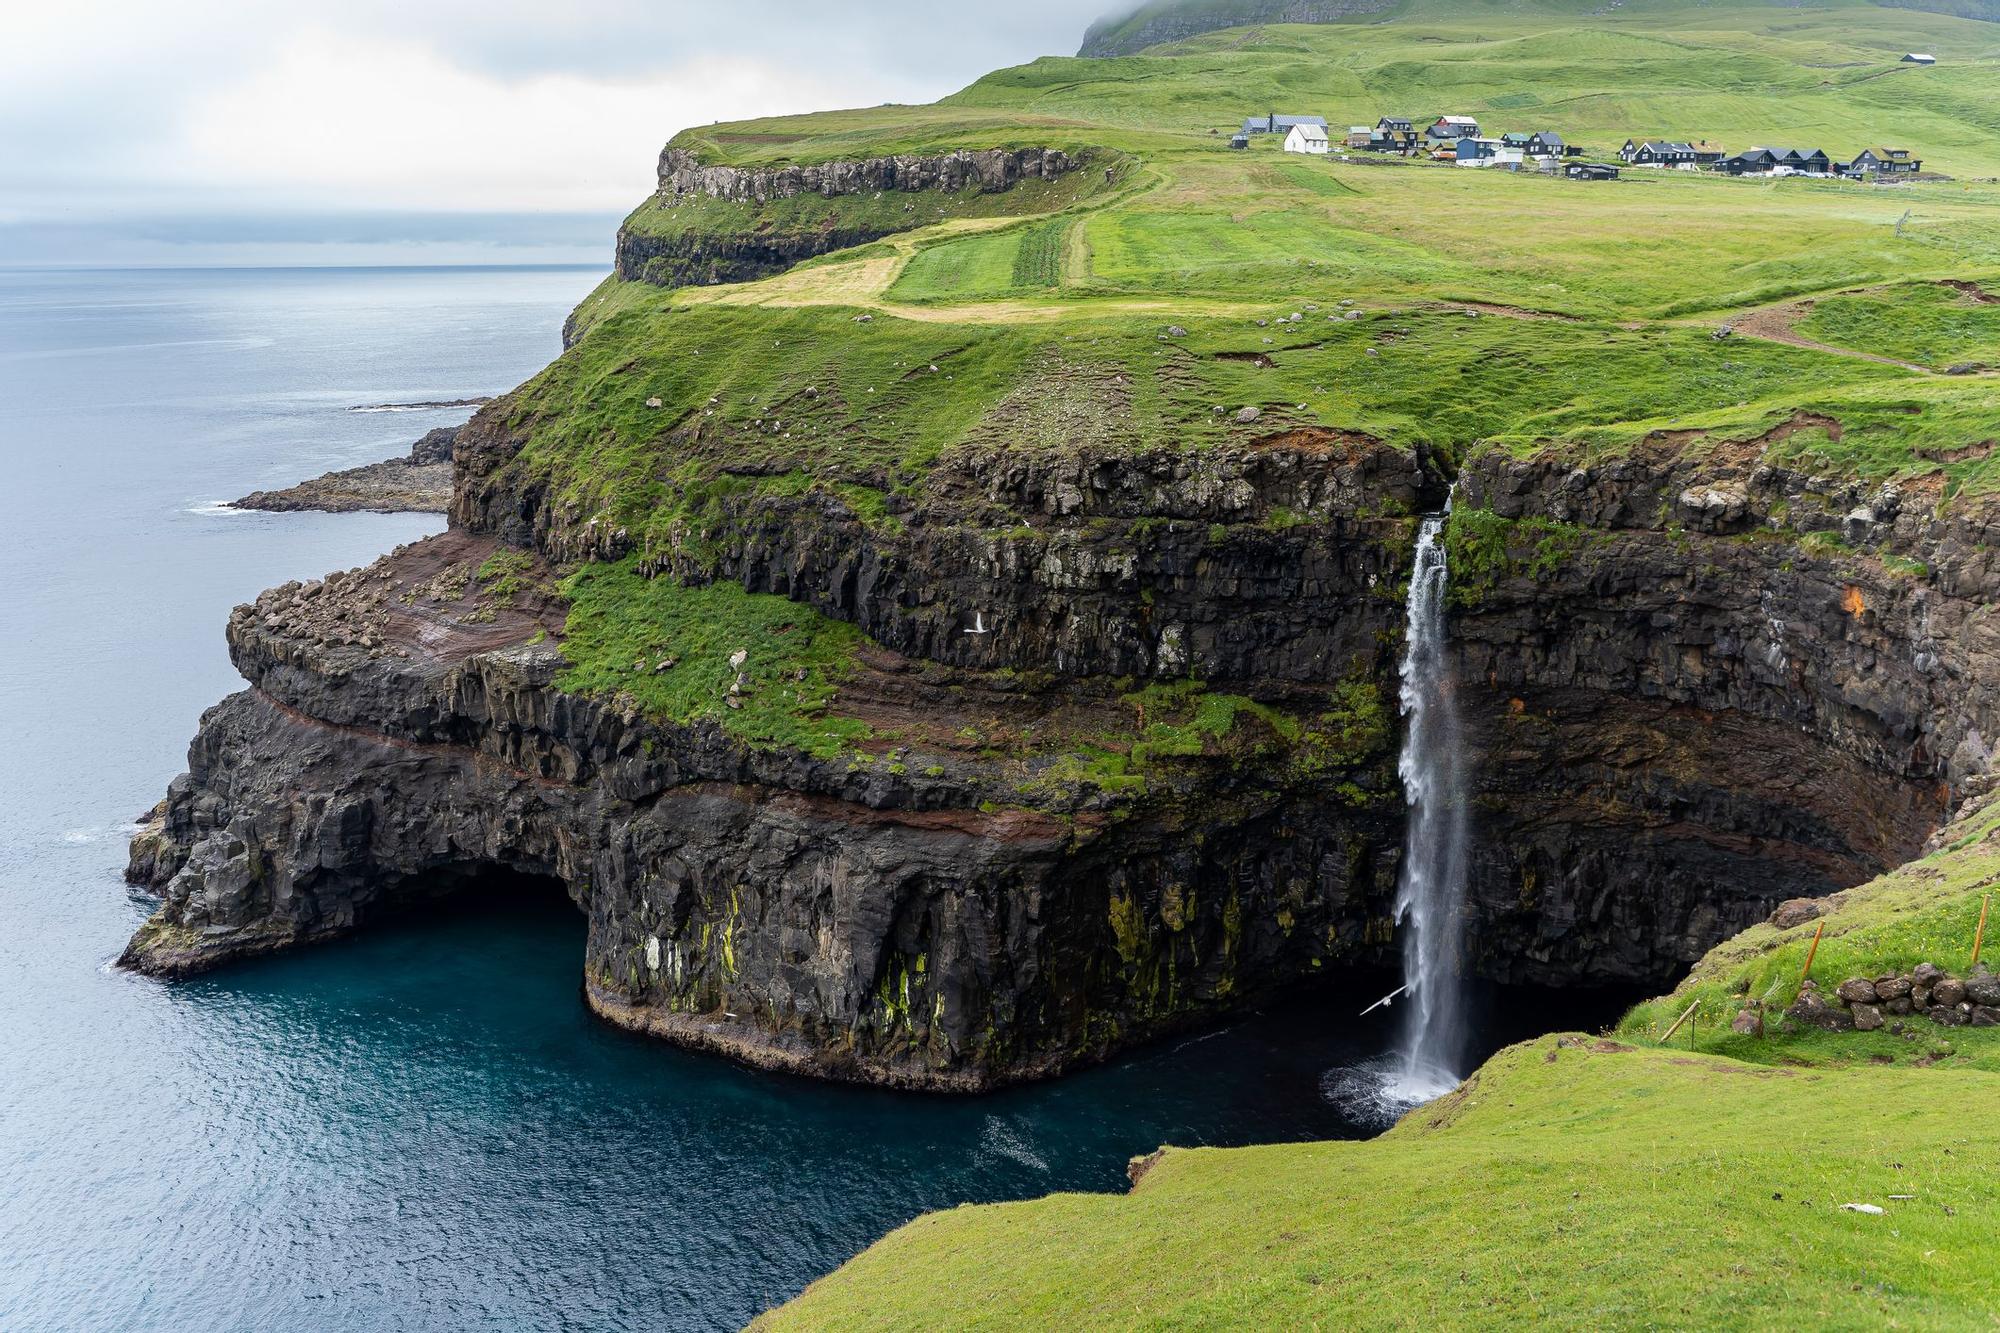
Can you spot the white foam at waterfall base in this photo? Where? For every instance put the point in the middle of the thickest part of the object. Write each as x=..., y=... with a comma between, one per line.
x=1430, y=897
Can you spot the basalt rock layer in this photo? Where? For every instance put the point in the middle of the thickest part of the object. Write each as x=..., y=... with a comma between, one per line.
x=1705, y=683
x=759, y=246
x=1684, y=712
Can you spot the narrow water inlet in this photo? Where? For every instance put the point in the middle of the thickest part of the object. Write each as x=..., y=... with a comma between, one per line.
x=1430, y=895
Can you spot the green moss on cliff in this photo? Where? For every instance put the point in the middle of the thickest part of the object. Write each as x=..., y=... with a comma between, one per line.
x=624, y=629
x=1485, y=548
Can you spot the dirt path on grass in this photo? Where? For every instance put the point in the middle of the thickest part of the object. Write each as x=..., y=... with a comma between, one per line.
x=1776, y=323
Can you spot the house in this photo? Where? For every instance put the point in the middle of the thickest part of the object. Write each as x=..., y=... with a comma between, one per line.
x=1919, y=58
x=1395, y=134
x=1542, y=143
x=1657, y=153
x=1450, y=129
x=1884, y=162
x=1749, y=162
x=1471, y=152
x=1591, y=171
x=1361, y=136
x=1707, y=154
x=1777, y=162
x=1273, y=123
x=1306, y=137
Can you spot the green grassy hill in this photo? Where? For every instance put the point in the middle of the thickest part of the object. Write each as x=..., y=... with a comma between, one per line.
x=1163, y=21
x=1608, y=293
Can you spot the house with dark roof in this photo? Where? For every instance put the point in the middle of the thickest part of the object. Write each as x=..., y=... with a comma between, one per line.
x=1394, y=134
x=1884, y=162
x=1591, y=171
x=1749, y=162
x=1777, y=162
x=1273, y=123
x=1657, y=153
x=1542, y=143
x=1450, y=129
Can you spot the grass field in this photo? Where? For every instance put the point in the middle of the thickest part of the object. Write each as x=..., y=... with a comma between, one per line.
x=1574, y=1182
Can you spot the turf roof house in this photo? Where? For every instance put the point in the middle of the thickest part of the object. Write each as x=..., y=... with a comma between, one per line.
x=1884, y=162
x=1658, y=153
x=1391, y=134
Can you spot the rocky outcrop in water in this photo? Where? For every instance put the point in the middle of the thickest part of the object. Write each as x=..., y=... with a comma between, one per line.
x=923, y=924
x=417, y=484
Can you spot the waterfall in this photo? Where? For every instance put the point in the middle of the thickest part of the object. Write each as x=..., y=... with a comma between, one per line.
x=1430, y=896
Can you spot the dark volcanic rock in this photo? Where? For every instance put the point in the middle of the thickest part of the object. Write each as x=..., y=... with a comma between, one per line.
x=1812, y=1009
x=417, y=484
x=1798, y=911
x=1674, y=731
x=702, y=257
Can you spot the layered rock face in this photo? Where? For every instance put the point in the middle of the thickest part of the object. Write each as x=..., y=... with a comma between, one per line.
x=1704, y=685
x=993, y=169
x=1684, y=712
x=710, y=255
x=951, y=921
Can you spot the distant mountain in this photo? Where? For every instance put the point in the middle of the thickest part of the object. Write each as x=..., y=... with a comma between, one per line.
x=1164, y=21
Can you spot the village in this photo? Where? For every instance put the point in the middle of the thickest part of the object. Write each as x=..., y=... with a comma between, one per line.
x=1460, y=141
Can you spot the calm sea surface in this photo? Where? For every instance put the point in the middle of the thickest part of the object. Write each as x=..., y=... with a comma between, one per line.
x=423, y=1128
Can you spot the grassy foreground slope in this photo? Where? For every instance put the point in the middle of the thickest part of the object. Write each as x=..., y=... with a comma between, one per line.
x=1572, y=1182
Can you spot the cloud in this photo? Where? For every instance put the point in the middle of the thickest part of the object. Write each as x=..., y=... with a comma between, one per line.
x=332, y=119
x=136, y=106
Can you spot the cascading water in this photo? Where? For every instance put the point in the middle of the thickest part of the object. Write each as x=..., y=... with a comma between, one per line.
x=1430, y=895
x=1430, y=898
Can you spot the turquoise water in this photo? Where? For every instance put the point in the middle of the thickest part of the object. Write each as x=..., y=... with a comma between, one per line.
x=422, y=1128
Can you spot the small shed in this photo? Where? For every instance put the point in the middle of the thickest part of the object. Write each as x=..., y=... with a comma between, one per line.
x=1239, y=142
x=1591, y=171
x=1919, y=58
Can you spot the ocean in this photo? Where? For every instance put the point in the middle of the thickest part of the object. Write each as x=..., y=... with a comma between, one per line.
x=422, y=1128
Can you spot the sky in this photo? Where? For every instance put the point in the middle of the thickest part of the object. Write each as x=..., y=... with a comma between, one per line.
x=219, y=131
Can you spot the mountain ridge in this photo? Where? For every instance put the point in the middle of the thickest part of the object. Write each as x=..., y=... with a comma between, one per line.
x=1162, y=22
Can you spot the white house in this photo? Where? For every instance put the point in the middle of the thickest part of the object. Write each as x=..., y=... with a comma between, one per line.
x=1306, y=138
